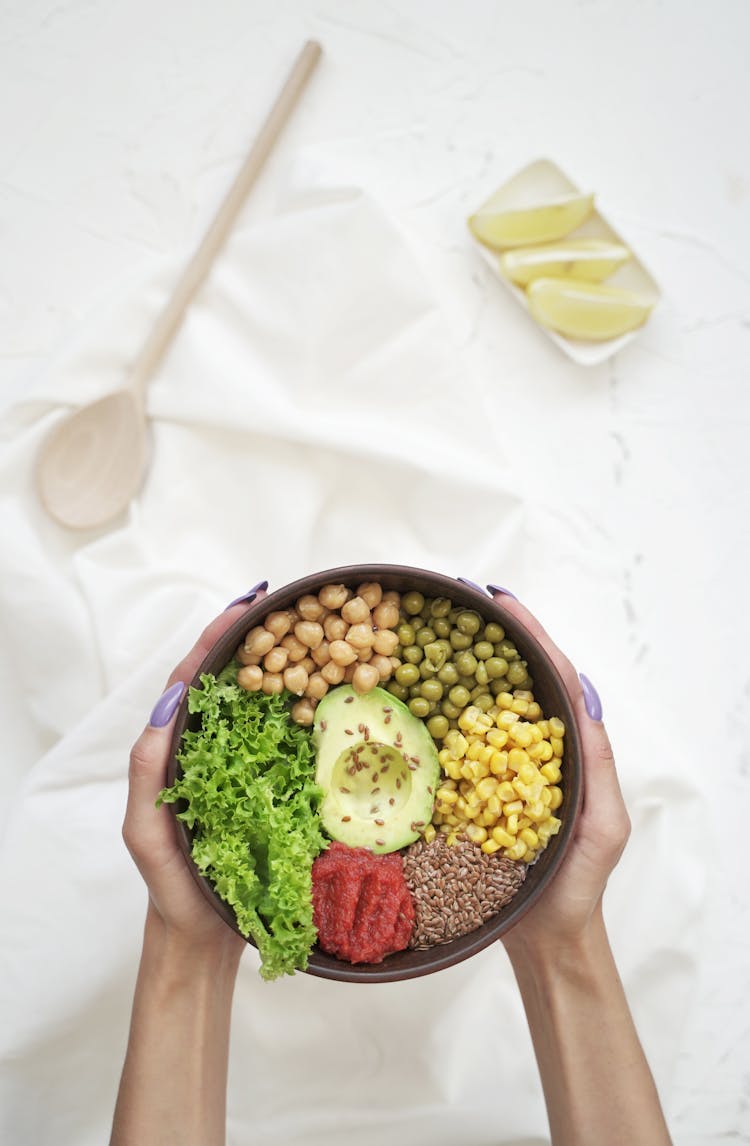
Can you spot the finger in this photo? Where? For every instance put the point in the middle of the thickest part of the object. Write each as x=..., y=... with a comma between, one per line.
x=190, y=664
x=144, y=826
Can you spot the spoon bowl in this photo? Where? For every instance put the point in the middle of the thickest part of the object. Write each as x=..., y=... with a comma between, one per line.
x=93, y=463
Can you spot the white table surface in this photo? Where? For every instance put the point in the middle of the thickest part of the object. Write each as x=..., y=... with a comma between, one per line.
x=122, y=124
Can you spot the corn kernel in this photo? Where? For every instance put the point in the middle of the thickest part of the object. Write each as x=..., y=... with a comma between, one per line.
x=521, y=707
x=554, y=824
x=529, y=837
x=502, y=838
x=473, y=750
x=534, y=712
x=517, y=851
x=444, y=757
x=536, y=735
x=506, y=719
x=528, y=773
x=517, y=757
x=557, y=745
x=497, y=737
x=513, y=806
x=511, y=824
x=486, y=787
x=537, y=750
x=476, y=834
x=529, y=855
x=429, y=834
x=489, y=847
x=504, y=700
x=453, y=770
x=506, y=791
x=521, y=734
x=486, y=819
x=494, y=805
x=546, y=797
x=543, y=726
x=486, y=753
x=498, y=763
x=551, y=772
x=556, y=798
x=556, y=726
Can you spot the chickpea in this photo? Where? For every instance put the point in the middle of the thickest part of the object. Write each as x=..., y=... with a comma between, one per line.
x=310, y=608
x=275, y=660
x=333, y=596
x=322, y=654
x=259, y=641
x=303, y=712
x=349, y=673
x=278, y=623
x=356, y=611
x=385, y=642
x=297, y=650
x=308, y=664
x=394, y=597
x=383, y=665
x=386, y=615
x=295, y=679
x=342, y=653
x=310, y=633
x=364, y=654
x=250, y=677
x=371, y=593
x=272, y=683
x=364, y=678
x=332, y=673
x=246, y=658
x=317, y=686
x=335, y=628
x=361, y=636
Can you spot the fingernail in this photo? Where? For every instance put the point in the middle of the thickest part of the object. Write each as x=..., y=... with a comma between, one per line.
x=250, y=596
x=471, y=584
x=591, y=698
x=499, y=589
x=167, y=705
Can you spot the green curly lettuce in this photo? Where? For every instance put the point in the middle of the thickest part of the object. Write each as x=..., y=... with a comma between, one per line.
x=248, y=782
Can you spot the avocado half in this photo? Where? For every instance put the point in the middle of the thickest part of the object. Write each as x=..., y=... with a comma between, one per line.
x=378, y=767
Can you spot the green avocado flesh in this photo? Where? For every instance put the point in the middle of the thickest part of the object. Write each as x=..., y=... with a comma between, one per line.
x=378, y=768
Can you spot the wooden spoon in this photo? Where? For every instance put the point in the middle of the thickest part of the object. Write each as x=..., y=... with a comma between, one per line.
x=94, y=462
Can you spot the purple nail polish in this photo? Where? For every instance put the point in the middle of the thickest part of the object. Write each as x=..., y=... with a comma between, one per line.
x=499, y=589
x=167, y=705
x=471, y=584
x=249, y=597
x=591, y=698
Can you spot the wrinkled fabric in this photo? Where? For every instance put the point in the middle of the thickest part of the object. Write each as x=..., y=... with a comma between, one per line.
x=317, y=409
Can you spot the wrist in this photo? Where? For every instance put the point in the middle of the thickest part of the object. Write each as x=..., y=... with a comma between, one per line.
x=559, y=955
x=174, y=956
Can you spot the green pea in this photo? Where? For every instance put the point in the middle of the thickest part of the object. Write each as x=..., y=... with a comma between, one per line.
x=448, y=674
x=413, y=654
x=427, y=671
x=484, y=701
x=496, y=667
x=517, y=673
x=405, y=633
x=480, y=675
x=460, y=640
x=498, y=686
x=467, y=682
x=438, y=726
x=459, y=696
x=442, y=627
x=397, y=690
x=432, y=690
x=412, y=603
x=416, y=689
x=440, y=607
x=435, y=654
x=466, y=663
x=483, y=650
x=468, y=622
x=450, y=710
x=407, y=674
x=494, y=632
x=507, y=649
x=425, y=637
x=420, y=707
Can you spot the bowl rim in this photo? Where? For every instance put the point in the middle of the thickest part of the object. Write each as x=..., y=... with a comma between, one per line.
x=412, y=963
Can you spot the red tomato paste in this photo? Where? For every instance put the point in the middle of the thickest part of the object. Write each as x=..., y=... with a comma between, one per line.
x=361, y=905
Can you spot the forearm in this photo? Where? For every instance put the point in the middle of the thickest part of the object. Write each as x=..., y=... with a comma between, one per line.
x=173, y=1086
x=598, y=1087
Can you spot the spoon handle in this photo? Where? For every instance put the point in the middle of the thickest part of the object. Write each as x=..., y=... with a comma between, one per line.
x=200, y=264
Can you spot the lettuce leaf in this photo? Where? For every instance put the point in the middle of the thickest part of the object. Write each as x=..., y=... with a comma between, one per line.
x=248, y=781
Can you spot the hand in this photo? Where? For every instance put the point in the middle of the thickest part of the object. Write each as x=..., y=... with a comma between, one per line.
x=150, y=833
x=573, y=899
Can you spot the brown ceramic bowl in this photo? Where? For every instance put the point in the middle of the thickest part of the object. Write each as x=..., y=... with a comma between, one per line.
x=548, y=691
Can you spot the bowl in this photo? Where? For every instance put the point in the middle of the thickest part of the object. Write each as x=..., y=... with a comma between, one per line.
x=548, y=691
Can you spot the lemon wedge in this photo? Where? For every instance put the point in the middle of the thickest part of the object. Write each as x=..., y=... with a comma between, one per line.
x=586, y=310
x=588, y=259
x=523, y=226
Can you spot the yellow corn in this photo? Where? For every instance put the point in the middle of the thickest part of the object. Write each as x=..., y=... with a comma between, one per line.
x=517, y=757
x=506, y=719
x=497, y=737
x=519, y=706
x=557, y=745
x=502, y=838
x=521, y=734
x=476, y=834
x=529, y=837
x=489, y=847
x=504, y=700
x=429, y=834
x=556, y=727
x=551, y=772
x=486, y=787
x=516, y=851
x=556, y=798
x=511, y=824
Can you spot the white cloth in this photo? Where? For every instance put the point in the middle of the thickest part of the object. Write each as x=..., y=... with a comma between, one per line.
x=317, y=409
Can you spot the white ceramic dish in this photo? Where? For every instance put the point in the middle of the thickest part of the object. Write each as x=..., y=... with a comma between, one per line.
x=544, y=180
